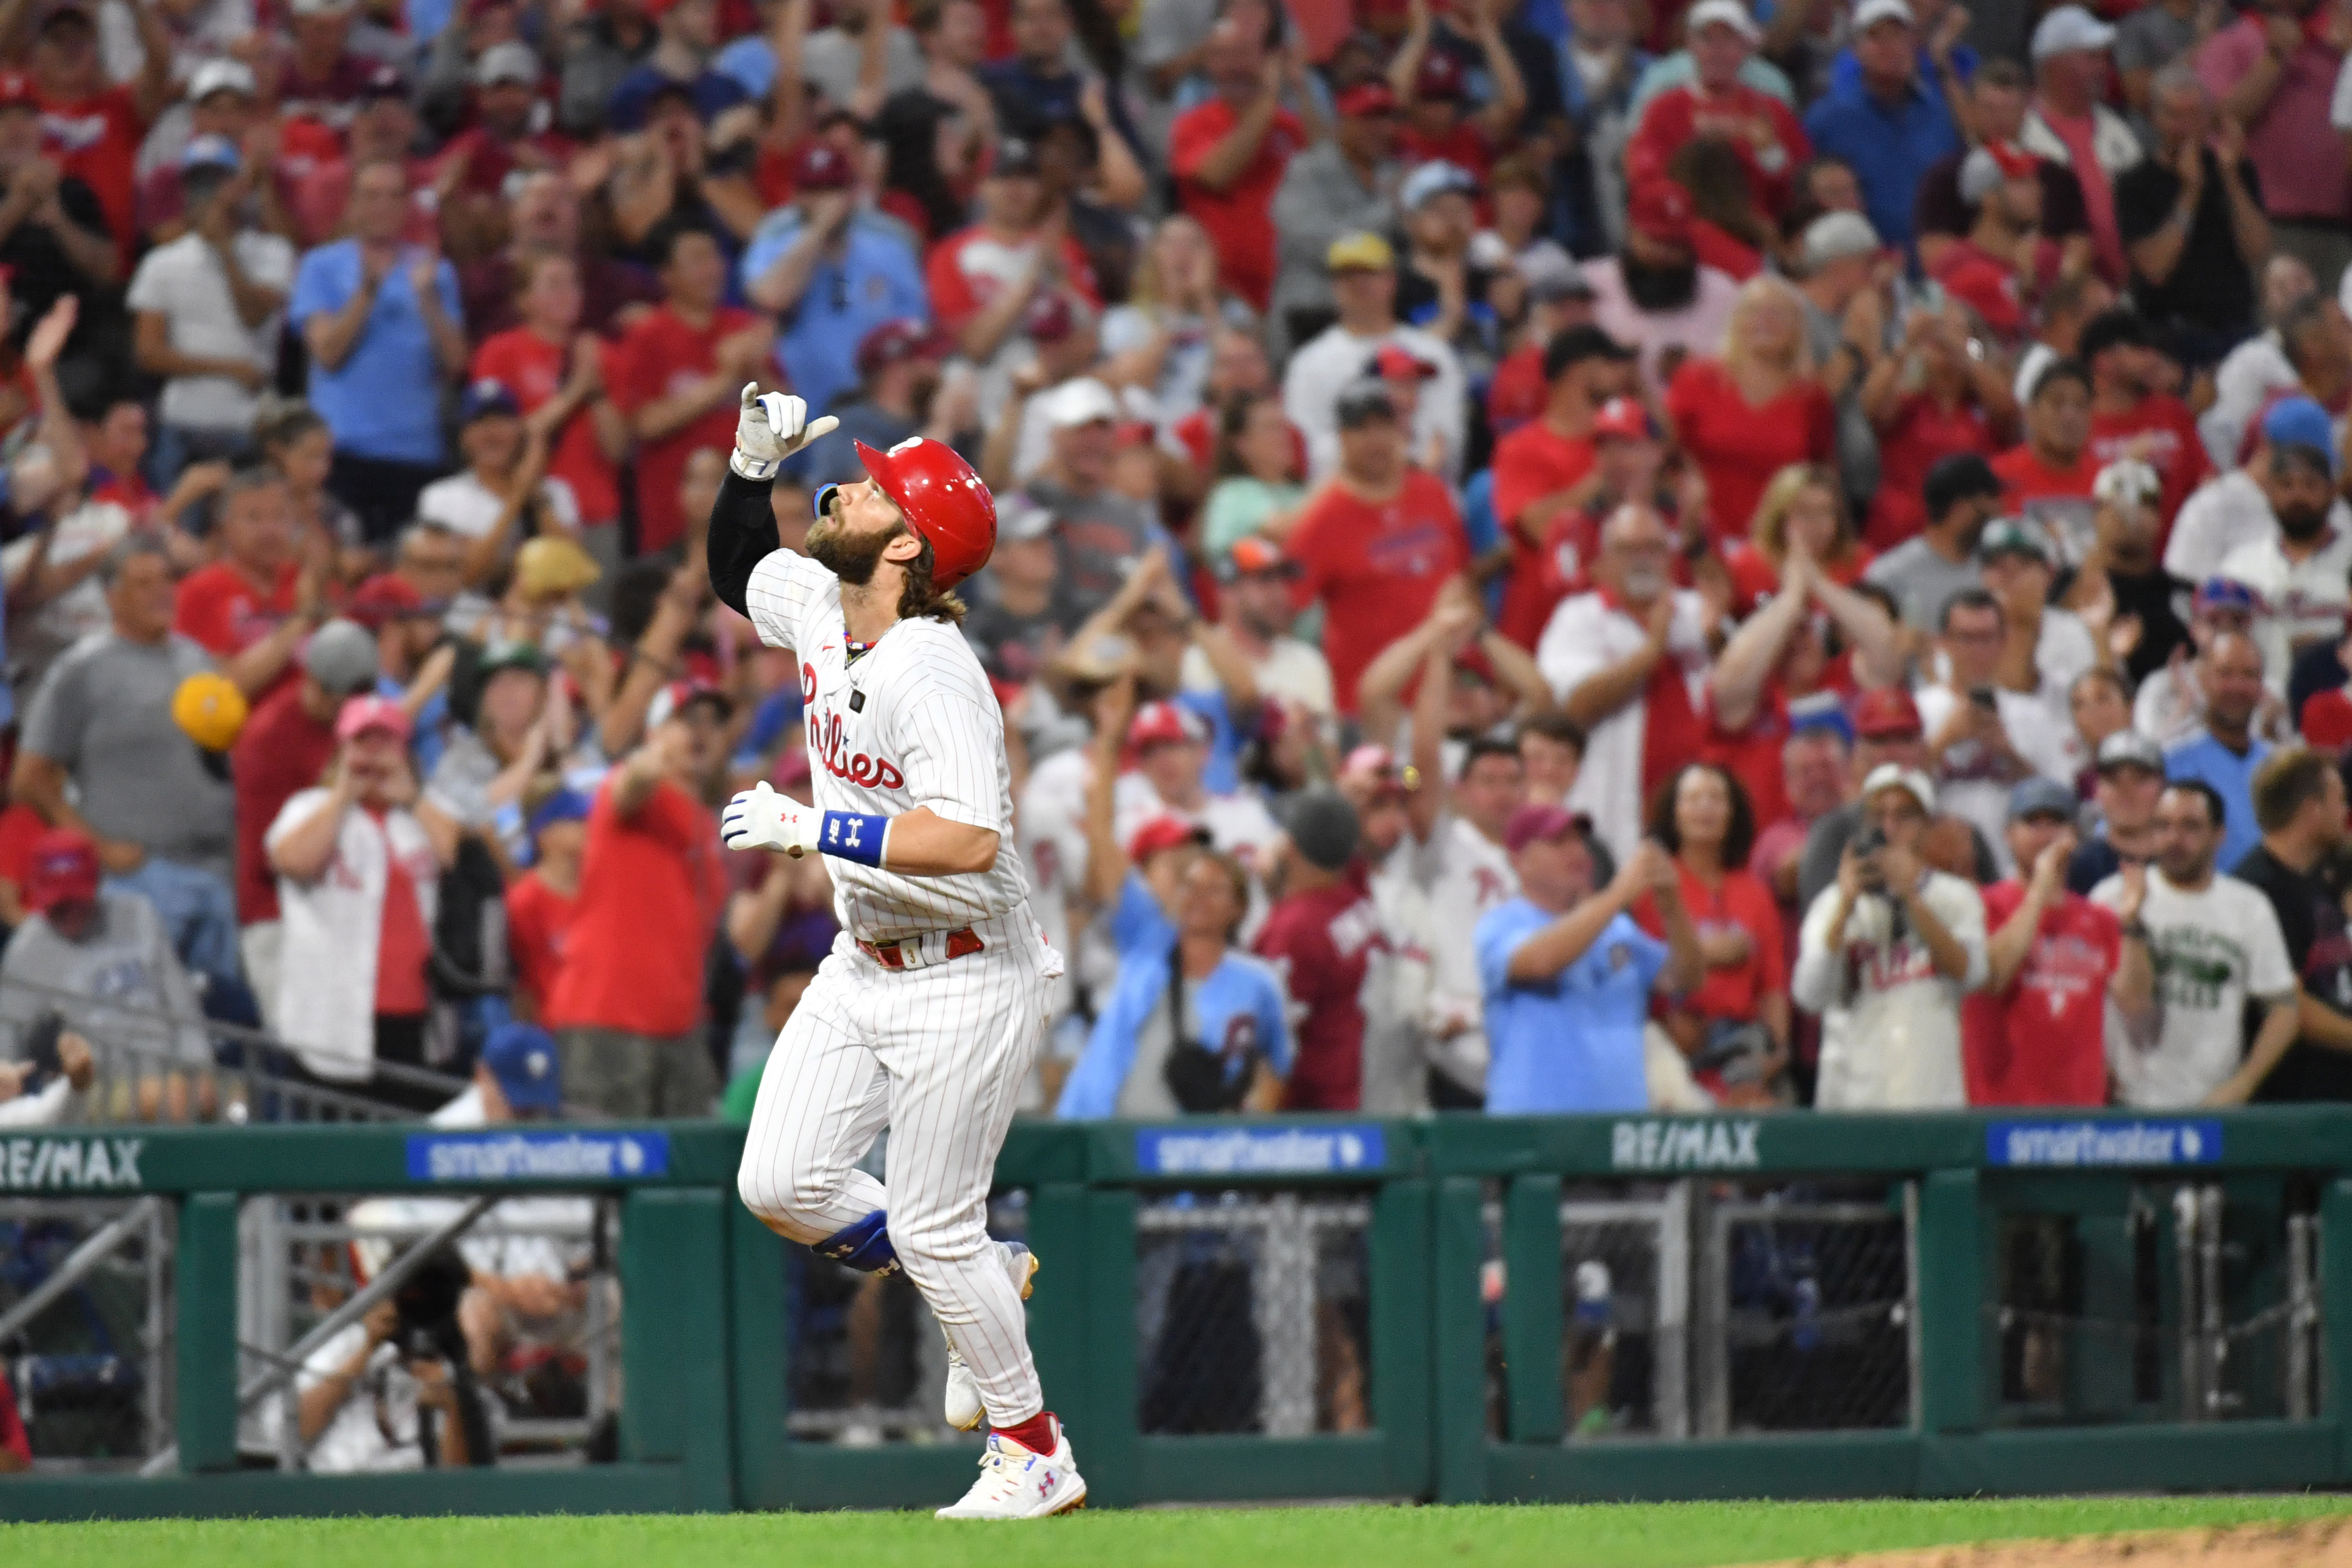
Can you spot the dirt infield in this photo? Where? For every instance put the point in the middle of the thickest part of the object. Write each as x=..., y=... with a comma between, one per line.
x=2316, y=1543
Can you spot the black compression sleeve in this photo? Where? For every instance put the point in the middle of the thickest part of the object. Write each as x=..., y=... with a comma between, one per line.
x=743, y=533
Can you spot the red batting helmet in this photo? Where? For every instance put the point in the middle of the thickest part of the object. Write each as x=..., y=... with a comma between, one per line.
x=943, y=500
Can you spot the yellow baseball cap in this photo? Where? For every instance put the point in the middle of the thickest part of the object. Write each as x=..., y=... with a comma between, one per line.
x=210, y=707
x=551, y=566
x=1360, y=251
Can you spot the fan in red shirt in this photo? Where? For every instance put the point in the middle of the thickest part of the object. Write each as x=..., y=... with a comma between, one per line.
x=969, y=273
x=1744, y=417
x=1434, y=91
x=1628, y=465
x=246, y=607
x=1782, y=653
x=94, y=128
x=542, y=901
x=1544, y=470
x=1803, y=512
x=1324, y=935
x=1960, y=404
x=651, y=888
x=1228, y=154
x=1519, y=391
x=1377, y=543
x=1721, y=36
x=2048, y=480
x=1706, y=821
x=2129, y=418
x=676, y=374
x=557, y=376
x=2035, y=1034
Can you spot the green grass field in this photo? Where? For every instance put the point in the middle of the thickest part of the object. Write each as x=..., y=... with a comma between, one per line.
x=1664, y=1535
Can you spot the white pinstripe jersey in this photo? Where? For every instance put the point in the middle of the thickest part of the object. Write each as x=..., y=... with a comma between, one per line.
x=914, y=723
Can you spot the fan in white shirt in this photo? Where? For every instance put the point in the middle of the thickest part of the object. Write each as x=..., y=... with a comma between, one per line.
x=2216, y=944
x=2298, y=569
x=479, y=503
x=1983, y=737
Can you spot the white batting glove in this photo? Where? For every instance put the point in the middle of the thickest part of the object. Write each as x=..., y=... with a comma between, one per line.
x=770, y=427
x=760, y=818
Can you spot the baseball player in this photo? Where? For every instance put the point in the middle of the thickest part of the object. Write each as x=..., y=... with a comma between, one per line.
x=934, y=1001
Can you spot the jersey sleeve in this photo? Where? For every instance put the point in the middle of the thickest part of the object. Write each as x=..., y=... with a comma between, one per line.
x=784, y=587
x=947, y=743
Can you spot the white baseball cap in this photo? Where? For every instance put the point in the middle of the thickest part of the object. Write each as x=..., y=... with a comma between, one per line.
x=1893, y=775
x=220, y=75
x=2068, y=29
x=1834, y=236
x=1081, y=401
x=1872, y=11
x=1728, y=13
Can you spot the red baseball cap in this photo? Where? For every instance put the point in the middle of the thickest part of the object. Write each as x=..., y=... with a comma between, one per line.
x=382, y=599
x=1163, y=723
x=1988, y=289
x=1366, y=98
x=2015, y=161
x=1543, y=825
x=903, y=338
x=1163, y=833
x=63, y=868
x=1253, y=555
x=820, y=166
x=1885, y=714
x=361, y=714
x=1623, y=419
x=1395, y=360
x=1439, y=77
x=1661, y=209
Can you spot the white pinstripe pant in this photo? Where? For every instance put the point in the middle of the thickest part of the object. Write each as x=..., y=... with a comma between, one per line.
x=938, y=1054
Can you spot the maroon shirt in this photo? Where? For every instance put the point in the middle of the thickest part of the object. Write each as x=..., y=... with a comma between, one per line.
x=281, y=753
x=1323, y=942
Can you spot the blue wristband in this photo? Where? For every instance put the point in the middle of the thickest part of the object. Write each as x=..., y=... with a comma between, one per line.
x=847, y=836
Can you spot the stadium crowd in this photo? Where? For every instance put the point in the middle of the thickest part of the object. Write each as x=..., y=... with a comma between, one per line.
x=1553, y=554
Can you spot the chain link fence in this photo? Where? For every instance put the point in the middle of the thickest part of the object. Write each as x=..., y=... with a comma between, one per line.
x=1805, y=1310
x=512, y=1325
x=2189, y=1303
x=1699, y=1309
x=868, y=1363
x=1253, y=1314
x=86, y=1328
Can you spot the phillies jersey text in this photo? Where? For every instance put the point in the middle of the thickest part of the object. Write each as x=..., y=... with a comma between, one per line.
x=912, y=723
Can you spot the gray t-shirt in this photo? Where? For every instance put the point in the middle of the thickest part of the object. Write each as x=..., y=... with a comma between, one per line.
x=123, y=988
x=829, y=62
x=104, y=715
x=1921, y=580
x=1098, y=539
x=1144, y=1096
x=2152, y=38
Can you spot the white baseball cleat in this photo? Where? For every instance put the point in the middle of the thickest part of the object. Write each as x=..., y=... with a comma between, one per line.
x=964, y=1407
x=1017, y=1484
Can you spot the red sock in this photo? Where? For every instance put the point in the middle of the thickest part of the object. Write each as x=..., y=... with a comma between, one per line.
x=1036, y=1433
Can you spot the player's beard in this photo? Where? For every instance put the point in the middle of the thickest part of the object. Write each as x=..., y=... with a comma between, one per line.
x=851, y=557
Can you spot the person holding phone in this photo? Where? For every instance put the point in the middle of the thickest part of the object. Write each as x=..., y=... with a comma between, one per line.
x=1982, y=737
x=1885, y=957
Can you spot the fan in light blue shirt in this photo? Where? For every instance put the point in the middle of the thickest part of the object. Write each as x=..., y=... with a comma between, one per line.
x=1568, y=976
x=828, y=294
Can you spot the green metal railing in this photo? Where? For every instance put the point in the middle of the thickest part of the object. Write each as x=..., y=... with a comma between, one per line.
x=705, y=1338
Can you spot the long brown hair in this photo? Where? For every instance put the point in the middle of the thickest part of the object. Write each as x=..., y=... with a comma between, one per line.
x=918, y=599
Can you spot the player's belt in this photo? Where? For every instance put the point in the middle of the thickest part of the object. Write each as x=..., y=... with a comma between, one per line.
x=908, y=951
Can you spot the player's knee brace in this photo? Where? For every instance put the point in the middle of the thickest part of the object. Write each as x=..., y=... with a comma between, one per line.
x=864, y=1247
